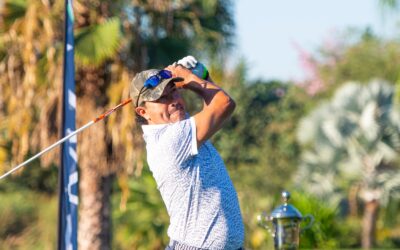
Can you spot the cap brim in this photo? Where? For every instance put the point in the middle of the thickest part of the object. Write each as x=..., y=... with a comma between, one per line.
x=157, y=92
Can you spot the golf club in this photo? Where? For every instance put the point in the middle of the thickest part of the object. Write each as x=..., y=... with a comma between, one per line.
x=99, y=118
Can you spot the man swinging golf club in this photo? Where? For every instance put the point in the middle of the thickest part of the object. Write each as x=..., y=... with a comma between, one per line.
x=193, y=181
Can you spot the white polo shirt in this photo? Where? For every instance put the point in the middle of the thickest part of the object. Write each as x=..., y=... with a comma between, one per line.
x=195, y=186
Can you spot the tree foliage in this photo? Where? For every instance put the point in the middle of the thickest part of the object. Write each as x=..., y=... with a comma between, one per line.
x=355, y=137
x=356, y=55
x=353, y=141
x=261, y=133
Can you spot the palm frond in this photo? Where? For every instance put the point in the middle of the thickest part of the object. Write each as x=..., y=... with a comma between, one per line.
x=354, y=135
x=13, y=10
x=96, y=43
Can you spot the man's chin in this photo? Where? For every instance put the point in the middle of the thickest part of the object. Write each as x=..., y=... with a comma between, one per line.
x=178, y=115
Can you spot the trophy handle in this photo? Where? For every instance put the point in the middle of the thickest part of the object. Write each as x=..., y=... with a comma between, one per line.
x=311, y=220
x=263, y=220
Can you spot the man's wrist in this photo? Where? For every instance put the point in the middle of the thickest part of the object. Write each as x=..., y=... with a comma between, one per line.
x=202, y=87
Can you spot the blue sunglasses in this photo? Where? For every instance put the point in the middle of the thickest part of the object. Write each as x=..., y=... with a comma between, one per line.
x=153, y=81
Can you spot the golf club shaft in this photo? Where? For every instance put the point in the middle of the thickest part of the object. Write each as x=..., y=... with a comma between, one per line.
x=99, y=118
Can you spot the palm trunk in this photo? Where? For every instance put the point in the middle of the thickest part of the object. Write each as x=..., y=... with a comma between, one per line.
x=95, y=182
x=95, y=210
x=369, y=224
x=352, y=199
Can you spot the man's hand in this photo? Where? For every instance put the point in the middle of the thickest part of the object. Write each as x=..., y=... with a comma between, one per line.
x=178, y=70
x=217, y=104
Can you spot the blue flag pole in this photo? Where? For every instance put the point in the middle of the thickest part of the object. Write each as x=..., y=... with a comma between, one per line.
x=68, y=173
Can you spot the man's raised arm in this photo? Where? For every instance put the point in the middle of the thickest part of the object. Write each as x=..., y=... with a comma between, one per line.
x=217, y=104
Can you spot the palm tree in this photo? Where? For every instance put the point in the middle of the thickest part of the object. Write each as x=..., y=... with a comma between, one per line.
x=31, y=86
x=352, y=143
x=30, y=79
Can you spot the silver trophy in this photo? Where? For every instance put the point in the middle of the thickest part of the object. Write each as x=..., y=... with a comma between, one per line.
x=286, y=221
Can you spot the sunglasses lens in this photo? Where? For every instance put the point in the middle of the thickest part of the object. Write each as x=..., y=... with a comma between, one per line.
x=165, y=74
x=152, y=82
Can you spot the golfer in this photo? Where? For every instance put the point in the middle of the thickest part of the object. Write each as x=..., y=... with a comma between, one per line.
x=194, y=184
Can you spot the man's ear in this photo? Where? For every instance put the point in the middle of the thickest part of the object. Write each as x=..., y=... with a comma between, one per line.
x=142, y=112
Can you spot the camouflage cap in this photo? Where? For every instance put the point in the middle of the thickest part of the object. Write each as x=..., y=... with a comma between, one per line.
x=148, y=94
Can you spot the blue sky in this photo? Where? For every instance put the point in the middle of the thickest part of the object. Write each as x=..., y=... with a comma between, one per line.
x=266, y=30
